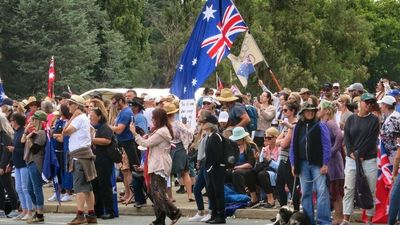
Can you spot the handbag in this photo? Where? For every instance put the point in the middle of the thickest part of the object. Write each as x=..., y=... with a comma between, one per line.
x=363, y=195
x=113, y=152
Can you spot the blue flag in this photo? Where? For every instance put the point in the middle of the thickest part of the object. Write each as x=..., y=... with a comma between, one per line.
x=2, y=93
x=245, y=69
x=216, y=29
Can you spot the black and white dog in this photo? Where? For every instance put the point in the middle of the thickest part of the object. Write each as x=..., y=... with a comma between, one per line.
x=288, y=216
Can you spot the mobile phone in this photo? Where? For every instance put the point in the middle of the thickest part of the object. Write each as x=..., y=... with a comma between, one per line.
x=184, y=120
x=132, y=119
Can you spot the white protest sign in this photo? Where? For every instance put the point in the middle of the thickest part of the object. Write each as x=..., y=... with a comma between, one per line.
x=187, y=112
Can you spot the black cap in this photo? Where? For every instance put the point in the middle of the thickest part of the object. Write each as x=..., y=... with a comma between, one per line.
x=136, y=102
x=327, y=86
x=211, y=119
x=96, y=94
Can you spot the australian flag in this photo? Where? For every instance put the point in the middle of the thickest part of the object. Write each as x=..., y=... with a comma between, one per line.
x=216, y=29
x=2, y=94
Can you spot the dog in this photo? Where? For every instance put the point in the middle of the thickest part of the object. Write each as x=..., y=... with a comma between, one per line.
x=288, y=216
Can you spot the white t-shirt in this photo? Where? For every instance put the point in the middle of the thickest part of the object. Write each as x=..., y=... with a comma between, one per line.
x=148, y=113
x=81, y=137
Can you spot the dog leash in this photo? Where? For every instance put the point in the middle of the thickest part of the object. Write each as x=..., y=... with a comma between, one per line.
x=294, y=187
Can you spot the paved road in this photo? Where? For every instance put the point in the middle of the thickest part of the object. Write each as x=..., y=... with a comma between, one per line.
x=62, y=219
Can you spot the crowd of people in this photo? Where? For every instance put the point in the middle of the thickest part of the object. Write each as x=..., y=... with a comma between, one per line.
x=290, y=147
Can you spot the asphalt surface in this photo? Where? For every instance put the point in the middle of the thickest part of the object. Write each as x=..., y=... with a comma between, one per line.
x=62, y=219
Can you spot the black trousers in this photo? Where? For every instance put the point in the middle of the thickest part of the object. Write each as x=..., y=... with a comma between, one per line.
x=263, y=180
x=242, y=178
x=215, y=189
x=131, y=151
x=102, y=187
x=285, y=177
x=7, y=184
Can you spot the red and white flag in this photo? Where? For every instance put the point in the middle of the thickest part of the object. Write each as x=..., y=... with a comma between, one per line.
x=50, y=83
x=383, y=187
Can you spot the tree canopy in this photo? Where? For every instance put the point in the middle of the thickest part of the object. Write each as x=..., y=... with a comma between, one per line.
x=137, y=43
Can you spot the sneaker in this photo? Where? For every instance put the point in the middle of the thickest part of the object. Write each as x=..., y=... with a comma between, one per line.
x=345, y=222
x=79, y=219
x=206, y=218
x=91, y=218
x=139, y=205
x=66, y=198
x=196, y=218
x=2, y=214
x=26, y=217
x=53, y=198
x=13, y=213
x=35, y=219
x=19, y=217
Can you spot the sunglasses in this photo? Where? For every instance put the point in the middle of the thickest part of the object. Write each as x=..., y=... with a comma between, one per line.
x=268, y=138
x=206, y=103
x=285, y=110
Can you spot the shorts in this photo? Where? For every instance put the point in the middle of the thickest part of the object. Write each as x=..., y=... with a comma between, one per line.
x=180, y=160
x=80, y=183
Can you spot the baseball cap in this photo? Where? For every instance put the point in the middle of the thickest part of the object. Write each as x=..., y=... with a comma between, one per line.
x=358, y=87
x=367, y=97
x=148, y=98
x=388, y=100
x=336, y=85
x=211, y=119
x=223, y=117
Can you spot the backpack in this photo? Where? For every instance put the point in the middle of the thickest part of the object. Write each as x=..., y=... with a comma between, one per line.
x=252, y=112
x=230, y=151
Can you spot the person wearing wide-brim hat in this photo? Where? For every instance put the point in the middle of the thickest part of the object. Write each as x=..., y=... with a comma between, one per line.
x=31, y=106
x=183, y=136
x=137, y=107
x=242, y=174
x=305, y=94
x=309, y=157
x=237, y=111
x=80, y=133
x=361, y=133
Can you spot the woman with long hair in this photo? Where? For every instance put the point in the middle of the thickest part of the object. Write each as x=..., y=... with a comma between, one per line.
x=101, y=144
x=159, y=164
x=183, y=136
x=326, y=114
x=34, y=138
x=6, y=183
x=285, y=179
x=21, y=171
x=242, y=171
x=266, y=113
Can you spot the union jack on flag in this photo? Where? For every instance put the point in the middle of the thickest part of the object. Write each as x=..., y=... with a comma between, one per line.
x=212, y=37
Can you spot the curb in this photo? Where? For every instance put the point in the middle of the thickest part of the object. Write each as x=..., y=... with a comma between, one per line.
x=263, y=214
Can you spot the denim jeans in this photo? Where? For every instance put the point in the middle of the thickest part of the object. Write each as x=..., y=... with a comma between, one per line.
x=309, y=173
x=371, y=172
x=199, y=185
x=35, y=186
x=21, y=185
x=394, y=205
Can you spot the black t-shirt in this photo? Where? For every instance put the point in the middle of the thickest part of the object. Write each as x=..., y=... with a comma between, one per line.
x=104, y=131
x=58, y=127
x=18, y=153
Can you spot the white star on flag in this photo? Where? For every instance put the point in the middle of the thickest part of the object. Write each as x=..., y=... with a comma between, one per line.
x=194, y=82
x=181, y=67
x=209, y=13
x=51, y=75
x=184, y=89
x=194, y=62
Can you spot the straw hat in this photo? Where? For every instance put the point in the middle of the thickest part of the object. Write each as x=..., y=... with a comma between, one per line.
x=32, y=100
x=304, y=91
x=170, y=108
x=238, y=133
x=272, y=132
x=227, y=96
x=77, y=100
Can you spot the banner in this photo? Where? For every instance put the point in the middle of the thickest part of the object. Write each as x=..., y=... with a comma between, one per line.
x=187, y=112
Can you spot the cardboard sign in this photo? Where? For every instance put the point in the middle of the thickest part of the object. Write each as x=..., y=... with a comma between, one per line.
x=187, y=112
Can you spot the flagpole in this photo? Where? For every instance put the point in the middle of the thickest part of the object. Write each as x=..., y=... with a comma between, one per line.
x=271, y=73
x=216, y=80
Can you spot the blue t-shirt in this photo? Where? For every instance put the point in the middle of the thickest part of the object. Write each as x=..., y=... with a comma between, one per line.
x=141, y=122
x=124, y=117
x=241, y=160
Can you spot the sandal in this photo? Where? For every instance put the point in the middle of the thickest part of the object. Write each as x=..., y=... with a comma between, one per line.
x=191, y=200
x=129, y=201
x=269, y=205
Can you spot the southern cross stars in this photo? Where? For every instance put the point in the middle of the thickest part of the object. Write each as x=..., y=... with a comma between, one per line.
x=194, y=82
x=209, y=13
x=194, y=62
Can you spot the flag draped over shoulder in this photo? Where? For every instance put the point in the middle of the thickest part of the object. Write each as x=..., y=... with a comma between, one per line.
x=50, y=83
x=249, y=56
x=215, y=30
x=383, y=187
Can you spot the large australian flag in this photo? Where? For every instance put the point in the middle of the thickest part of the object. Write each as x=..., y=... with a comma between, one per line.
x=216, y=29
